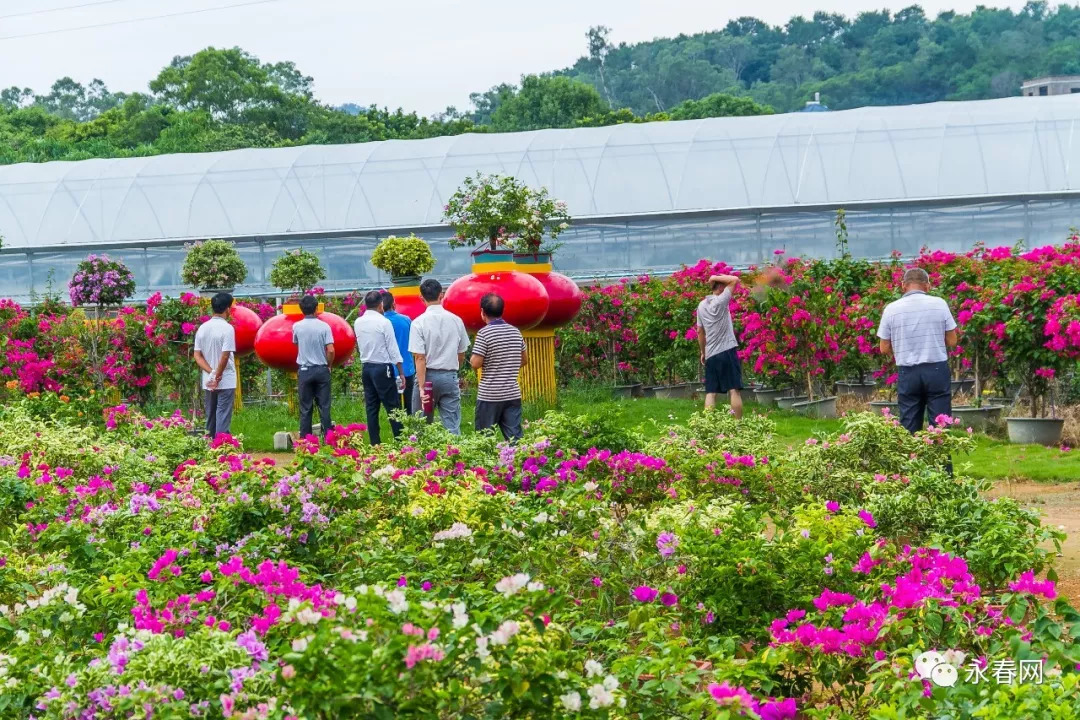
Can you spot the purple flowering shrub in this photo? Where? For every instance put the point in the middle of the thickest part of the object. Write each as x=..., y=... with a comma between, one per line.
x=101, y=282
x=145, y=571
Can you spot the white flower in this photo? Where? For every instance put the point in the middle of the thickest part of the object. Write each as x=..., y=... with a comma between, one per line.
x=562, y=675
x=542, y=517
x=300, y=644
x=611, y=683
x=461, y=617
x=482, y=647
x=954, y=657
x=478, y=562
x=397, y=602
x=417, y=511
x=512, y=584
x=350, y=603
x=506, y=631
x=593, y=668
x=46, y=633
x=534, y=586
x=362, y=589
x=66, y=617
x=294, y=605
x=307, y=616
x=600, y=697
x=590, y=486
x=457, y=531
x=571, y=701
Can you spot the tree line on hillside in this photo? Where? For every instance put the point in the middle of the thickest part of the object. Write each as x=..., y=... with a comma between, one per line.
x=222, y=99
x=877, y=58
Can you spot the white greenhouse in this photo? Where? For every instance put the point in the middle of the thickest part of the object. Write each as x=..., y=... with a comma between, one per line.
x=645, y=197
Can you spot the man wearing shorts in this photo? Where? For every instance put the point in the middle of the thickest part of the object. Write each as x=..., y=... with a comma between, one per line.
x=716, y=338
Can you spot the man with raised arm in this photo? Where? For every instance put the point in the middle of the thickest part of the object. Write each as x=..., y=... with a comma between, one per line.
x=215, y=345
x=719, y=348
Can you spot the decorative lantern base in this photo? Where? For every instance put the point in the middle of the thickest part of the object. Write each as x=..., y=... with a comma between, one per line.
x=538, y=377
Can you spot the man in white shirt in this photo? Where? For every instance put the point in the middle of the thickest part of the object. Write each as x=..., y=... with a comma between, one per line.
x=215, y=345
x=379, y=354
x=438, y=341
x=918, y=329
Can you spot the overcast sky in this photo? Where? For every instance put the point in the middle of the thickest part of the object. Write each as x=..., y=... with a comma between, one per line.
x=417, y=54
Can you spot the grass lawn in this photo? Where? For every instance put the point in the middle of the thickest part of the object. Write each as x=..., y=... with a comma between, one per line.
x=992, y=458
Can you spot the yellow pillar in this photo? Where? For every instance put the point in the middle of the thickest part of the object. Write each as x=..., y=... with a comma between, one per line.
x=238, y=400
x=538, y=377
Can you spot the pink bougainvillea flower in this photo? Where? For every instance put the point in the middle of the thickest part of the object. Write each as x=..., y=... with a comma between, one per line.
x=644, y=594
x=867, y=518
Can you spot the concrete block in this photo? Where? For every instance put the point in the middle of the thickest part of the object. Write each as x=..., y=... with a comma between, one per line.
x=282, y=441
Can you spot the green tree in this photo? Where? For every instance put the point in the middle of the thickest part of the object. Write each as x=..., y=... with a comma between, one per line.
x=545, y=102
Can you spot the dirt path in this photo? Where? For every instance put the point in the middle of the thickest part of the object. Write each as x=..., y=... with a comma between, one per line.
x=1060, y=507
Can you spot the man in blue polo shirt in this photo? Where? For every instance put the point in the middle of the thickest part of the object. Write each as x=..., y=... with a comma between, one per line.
x=402, y=325
x=918, y=329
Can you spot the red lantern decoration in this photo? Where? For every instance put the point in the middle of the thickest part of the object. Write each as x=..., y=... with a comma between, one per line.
x=246, y=323
x=494, y=272
x=564, y=296
x=274, y=345
x=407, y=300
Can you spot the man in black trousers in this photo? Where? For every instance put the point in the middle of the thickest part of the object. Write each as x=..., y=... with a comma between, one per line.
x=315, y=354
x=380, y=354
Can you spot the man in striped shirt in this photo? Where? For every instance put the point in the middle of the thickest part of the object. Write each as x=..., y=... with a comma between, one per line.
x=918, y=329
x=499, y=353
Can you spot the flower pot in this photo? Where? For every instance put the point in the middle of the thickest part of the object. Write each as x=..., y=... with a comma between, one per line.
x=785, y=403
x=821, y=408
x=962, y=386
x=977, y=418
x=671, y=392
x=769, y=396
x=625, y=392
x=564, y=296
x=863, y=391
x=1035, y=431
x=494, y=271
x=892, y=406
x=406, y=292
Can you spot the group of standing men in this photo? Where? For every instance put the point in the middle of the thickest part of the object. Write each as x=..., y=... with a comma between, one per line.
x=407, y=365
x=414, y=364
x=401, y=358
x=917, y=330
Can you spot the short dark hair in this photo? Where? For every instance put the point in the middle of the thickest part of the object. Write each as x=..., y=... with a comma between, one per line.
x=373, y=299
x=221, y=302
x=492, y=305
x=308, y=304
x=387, y=300
x=430, y=289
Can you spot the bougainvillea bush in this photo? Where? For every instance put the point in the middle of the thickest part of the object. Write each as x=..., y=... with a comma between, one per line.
x=811, y=323
x=101, y=282
x=701, y=572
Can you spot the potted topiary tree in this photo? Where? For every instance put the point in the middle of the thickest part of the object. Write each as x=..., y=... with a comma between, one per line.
x=296, y=271
x=494, y=211
x=405, y=260
x=213, y=266
x=97, y=284
x=1030, y=359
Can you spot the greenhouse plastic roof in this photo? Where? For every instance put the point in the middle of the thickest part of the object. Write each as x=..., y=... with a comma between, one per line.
x=1009, y=147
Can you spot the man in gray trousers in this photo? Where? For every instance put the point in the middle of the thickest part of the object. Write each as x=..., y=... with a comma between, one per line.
x=314, y=343
x=215, y=345
x=438, y=341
